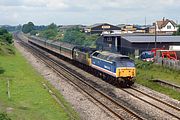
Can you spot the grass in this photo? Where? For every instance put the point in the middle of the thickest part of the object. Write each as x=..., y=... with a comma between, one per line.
x=29, y=100
x=148, y=71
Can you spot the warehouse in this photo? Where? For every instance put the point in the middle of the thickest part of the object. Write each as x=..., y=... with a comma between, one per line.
x=128, y=44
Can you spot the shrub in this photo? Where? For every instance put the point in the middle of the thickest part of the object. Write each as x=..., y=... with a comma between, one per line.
x=3, y=116
x=143, y=65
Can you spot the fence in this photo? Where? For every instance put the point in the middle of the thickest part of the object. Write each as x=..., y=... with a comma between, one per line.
x=174, y=64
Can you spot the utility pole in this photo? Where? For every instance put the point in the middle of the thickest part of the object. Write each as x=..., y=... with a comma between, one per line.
x=155, y=36
x=145, y=26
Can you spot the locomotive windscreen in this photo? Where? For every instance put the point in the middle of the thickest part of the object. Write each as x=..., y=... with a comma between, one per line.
x=125, y=63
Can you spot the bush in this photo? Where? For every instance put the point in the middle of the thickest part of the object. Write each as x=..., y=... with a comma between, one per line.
x=3, y=116
x=5, y=36
x=6, y=49
x=144, y=65
x=1, y=70
x=33, y=32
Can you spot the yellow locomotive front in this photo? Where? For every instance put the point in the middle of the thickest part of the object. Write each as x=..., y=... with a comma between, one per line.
x=126, y=71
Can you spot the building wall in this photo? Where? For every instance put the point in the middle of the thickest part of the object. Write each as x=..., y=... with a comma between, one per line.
x=109, y=43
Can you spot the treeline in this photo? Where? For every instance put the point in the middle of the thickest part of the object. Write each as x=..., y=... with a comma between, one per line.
x=12, y=28
x=53, y=32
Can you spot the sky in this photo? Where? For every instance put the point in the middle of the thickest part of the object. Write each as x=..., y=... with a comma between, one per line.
x=87, y=12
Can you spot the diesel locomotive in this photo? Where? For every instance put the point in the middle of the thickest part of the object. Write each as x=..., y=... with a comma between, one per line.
x=111, y=66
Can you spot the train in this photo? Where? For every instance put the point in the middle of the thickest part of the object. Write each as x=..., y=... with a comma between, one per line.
x=112, y=67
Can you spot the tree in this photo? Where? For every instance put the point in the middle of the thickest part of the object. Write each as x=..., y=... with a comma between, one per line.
x=74, y=36
x=3, y=31
x=51, y=32
x=27, y=28
x=91, y=40
x=178, y=31
x=52, y=26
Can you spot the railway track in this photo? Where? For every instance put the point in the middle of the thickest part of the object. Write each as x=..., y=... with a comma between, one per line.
x=119, y=110
x=168, y=108
x=165, y=83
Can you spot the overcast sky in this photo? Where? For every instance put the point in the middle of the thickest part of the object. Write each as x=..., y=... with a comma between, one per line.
x=13, y=12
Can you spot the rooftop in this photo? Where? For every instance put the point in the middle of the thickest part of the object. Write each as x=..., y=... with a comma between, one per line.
x=149, y=39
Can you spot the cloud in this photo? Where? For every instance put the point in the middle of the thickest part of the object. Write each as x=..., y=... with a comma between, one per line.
x=87, y=11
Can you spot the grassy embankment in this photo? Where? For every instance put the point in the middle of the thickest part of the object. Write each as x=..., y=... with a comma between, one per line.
x=148, y=71
x=28, y=98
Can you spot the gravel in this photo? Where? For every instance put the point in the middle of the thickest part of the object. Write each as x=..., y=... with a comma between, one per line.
x=87, y=108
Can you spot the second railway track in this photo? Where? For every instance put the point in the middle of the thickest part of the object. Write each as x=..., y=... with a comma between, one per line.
x=155, y=102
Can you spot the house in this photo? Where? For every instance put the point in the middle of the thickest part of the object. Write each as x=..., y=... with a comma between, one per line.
x=166, y=26
x=152, y=29
x=102, y=28
x=142, y=29
x=129, y=29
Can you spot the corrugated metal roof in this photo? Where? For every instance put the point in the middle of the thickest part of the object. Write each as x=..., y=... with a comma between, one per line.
x=148, y=39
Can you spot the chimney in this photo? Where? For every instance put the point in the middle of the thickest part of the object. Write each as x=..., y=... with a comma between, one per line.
x=163, y=19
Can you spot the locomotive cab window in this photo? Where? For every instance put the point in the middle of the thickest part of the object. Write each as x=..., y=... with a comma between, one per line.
x=95, y=54
x=121, y=58
x=110, y=58
x=125, y=63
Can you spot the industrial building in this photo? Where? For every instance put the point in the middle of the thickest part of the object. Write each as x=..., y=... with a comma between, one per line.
x=129, y=44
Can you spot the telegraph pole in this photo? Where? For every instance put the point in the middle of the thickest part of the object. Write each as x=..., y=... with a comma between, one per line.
x=155, y=36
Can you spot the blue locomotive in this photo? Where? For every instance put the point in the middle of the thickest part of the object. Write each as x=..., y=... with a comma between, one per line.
x=111, y=66
x=118, y=66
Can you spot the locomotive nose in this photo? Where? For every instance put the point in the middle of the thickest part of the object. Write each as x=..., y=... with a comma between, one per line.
x=126, y=72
